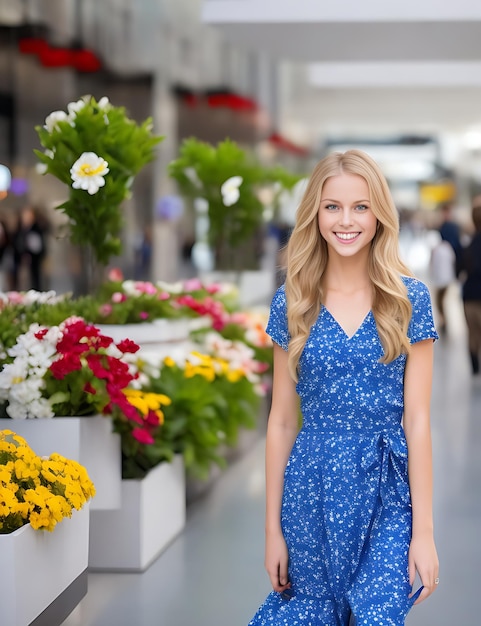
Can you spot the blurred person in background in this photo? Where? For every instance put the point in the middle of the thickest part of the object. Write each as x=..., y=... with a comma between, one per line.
x=450, y=231
x=4, y=250
x=472, y=287
x=442, y=274
x=29, y=249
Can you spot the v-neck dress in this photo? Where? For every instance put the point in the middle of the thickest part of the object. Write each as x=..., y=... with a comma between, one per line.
x=346, y=510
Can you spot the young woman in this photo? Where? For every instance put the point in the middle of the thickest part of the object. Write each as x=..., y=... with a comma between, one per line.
x=348, y=497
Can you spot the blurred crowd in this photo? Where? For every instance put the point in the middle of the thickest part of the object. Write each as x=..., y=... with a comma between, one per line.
x=456, y=258
x=23, y=249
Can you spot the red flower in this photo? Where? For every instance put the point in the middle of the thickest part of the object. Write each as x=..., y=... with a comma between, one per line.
x=67, y=363
x=118, y=398
x=88, y=388
x=142, y=436
x=41, y=333
x=152, y=419
x=127, y=345
x=96, y=364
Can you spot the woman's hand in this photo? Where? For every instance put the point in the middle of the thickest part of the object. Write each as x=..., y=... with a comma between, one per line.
x=276, y=560
x=423, y=559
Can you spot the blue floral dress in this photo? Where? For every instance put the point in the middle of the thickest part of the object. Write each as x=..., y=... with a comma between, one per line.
x=346, y=510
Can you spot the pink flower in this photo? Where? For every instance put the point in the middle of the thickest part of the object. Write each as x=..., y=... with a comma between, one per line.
x=15, y=297
x=163, y=295
x=115, y=275
x=118, y=296
x=146, y=287
x=193, y=284
x=144, y=315
x=105, y=309
x=213, y=288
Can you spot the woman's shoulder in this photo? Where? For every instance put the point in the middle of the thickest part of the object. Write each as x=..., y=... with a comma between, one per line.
x=279, y=297
x=415, y=287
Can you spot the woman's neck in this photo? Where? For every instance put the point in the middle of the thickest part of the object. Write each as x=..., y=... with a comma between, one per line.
x=346, y=275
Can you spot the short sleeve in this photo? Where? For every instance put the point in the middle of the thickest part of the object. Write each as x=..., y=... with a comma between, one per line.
x=277, y=323
x=421, y=325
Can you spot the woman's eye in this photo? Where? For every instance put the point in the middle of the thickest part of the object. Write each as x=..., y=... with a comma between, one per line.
x=361, y=207
x=331, y=207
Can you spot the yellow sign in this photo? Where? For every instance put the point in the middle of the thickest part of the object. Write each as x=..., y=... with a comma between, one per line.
x=432, y=195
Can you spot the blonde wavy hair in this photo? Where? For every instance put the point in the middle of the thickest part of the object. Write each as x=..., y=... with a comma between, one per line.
x=307, y=257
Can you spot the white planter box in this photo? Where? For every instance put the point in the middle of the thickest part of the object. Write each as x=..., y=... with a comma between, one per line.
x=88, y=440
x=44, y=574
x=146, y=333
x=152, y=514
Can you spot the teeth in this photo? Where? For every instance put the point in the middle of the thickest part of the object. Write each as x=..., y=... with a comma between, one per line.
x=347, y=236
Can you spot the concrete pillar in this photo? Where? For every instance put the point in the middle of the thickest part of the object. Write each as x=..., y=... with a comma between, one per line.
x=165, y=237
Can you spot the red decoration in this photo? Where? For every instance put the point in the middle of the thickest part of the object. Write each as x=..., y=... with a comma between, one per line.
x=231, y=101
x=284, y=144
x=55, y=57
x=81, y=59
x=32, y=45
x=85, y=61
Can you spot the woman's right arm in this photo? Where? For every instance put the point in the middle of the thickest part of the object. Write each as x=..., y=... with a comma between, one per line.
x=282, y=430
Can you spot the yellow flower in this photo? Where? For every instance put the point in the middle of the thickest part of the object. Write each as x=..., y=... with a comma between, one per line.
x=169, y=361
x=38, y=491
x=234, y=376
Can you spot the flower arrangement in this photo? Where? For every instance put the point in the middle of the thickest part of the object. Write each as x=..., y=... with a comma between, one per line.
x=74, y=370
x=96, y=150
x=148, y=448
x=38, y=491
x=70, y=369
x=118, y=301
x=212, y=398
x=122, y=301
x=228, y=181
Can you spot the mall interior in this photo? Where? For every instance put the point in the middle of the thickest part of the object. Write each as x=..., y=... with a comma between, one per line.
x=288, y=82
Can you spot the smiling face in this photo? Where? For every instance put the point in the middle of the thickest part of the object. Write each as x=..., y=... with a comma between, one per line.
x=346, y=220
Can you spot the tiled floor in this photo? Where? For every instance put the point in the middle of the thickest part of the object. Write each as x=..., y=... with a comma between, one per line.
x=212, y=575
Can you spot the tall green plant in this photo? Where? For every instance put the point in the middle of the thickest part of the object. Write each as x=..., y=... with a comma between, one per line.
x=96, y=150
x=229, y=179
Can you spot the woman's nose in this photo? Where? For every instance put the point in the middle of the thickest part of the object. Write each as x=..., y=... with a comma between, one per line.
x=346, y=217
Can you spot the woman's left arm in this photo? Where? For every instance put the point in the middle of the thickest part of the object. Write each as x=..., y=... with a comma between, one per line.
x=417, y=400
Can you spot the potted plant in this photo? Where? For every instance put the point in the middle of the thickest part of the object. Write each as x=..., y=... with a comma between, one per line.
x=152, y=509
x=42, y=572
x=226, y=183
x=96, y=150
x=76, y=375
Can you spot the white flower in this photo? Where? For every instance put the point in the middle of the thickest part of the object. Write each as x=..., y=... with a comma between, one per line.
x=73, y=109
x=27, y=391
x=88, y=172
x=52, y=120
x=177, y=287
x=40, y=408
x=104, y=103
x=12, y=374
x=230, y=190
x=193, y=177
x=17, y=411
x=42, y=167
